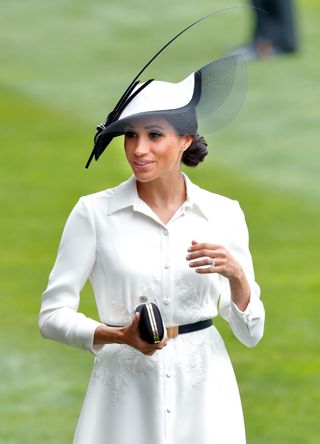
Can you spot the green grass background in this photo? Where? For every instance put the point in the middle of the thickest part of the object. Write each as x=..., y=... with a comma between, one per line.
x=63, y=64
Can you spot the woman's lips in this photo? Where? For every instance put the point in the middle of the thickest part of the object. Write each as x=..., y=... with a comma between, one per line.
x=142, y=164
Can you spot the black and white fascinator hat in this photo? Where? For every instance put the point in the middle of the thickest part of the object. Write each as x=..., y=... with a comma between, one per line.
x=203, y=102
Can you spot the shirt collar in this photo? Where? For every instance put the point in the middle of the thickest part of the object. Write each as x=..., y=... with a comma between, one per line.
x=195, y=197
x=125, y=195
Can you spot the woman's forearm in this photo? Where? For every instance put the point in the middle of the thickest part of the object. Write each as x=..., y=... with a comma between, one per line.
x=108, y=335
x=240, y=290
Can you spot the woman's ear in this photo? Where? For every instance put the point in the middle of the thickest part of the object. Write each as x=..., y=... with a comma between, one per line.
x=186, y=142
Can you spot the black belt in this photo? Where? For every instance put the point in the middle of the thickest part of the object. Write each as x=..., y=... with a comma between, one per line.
x=172, y=332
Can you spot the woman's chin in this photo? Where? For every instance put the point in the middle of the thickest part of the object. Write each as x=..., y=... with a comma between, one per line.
x=144, y=177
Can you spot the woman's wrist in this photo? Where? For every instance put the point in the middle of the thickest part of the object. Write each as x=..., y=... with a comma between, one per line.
x=108, y=335
x=240, y=290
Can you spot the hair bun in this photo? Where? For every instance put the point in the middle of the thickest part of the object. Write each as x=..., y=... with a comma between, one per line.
x=196, y=152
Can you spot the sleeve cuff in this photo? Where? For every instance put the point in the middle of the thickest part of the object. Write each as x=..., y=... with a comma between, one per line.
x=252, y=312
x=84, y=335
x=248, y=325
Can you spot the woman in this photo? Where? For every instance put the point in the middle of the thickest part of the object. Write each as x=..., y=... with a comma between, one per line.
x=158, y=238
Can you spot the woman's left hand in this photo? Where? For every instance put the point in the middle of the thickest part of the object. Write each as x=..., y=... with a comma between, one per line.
x=211, y=258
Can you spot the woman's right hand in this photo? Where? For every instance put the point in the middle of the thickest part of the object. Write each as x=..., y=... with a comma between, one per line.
x=128, y=335
x=131, y=337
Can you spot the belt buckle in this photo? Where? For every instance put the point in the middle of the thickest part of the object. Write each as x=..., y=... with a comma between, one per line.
x=172, y=332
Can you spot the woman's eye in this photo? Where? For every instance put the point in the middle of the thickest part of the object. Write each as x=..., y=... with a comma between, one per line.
x=155, y=135
x=130, y=134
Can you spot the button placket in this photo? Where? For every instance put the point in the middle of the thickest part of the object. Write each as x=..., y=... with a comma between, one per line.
x=169, y=393
x=166, y=288
x=165, y=272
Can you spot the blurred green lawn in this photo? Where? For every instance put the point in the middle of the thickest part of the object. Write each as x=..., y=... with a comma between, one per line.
x=63, y=64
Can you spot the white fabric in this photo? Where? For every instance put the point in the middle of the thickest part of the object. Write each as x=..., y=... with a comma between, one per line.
x=187, y=392
x=159, y=95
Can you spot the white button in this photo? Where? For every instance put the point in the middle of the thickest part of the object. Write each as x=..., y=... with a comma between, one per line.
x=168, y=410
x=168, y=375
x=166, y=266
x=165, y=232
x=166, y=302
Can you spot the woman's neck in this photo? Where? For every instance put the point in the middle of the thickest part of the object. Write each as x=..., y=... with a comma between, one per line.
x=164, y=195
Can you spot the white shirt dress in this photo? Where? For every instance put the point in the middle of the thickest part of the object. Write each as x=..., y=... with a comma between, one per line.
x=187, y=392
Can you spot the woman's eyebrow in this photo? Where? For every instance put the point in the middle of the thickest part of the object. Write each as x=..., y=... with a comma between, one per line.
x=148, y=127
x=155, y=126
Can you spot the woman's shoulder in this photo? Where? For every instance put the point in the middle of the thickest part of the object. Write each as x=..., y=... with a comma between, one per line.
x=212, y=205
x=220, y=209
x=218, y=203
x=211, y=199
x=98, y=196
x=107, y=192
x=106, y=198
x=215, y=197
x=197, y=193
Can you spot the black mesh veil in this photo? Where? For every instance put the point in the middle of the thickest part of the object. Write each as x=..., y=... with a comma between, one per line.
x=223, y=90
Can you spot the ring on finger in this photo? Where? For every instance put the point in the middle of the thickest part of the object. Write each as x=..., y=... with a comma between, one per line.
x=212, y=263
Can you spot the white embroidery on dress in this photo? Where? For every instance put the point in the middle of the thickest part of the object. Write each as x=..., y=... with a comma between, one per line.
x=151, y=289
x=119, y=313
x=193, y=356
x=115, y=363
x=188, y=297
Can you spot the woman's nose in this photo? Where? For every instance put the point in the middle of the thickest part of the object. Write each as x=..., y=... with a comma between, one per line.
x=142, y=146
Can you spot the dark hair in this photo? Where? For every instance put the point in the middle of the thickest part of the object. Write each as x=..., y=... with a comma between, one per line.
x=196, y=152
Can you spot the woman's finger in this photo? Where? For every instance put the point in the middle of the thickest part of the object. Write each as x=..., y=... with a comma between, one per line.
x=206, y=262
x=207, y=270
x=204, y=246
x=136, y=320
x=206, y=253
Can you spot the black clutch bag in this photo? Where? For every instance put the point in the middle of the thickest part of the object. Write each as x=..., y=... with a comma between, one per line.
x=150, y=325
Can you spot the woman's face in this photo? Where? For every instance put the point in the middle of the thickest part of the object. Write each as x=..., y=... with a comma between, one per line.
x=153, y=149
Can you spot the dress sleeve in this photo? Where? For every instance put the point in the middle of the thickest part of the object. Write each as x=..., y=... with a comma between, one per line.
x=59, y=319
x=247, y=326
